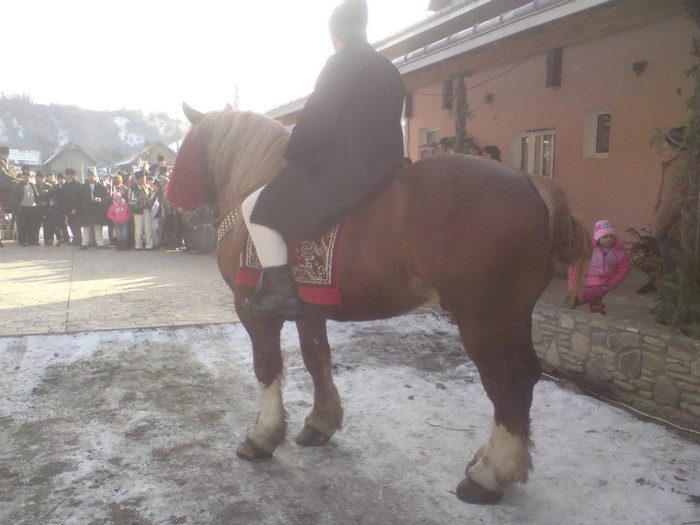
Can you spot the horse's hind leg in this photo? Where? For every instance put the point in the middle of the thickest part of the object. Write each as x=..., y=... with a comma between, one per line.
x=327, y=415
x=509, y=369
x=270, y=427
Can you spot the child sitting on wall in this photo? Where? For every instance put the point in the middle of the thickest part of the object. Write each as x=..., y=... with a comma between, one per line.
x=608, y=268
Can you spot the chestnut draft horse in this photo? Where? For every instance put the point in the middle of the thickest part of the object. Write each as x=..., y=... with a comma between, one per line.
x=479, y=237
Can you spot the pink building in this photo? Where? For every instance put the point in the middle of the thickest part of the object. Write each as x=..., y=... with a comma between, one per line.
x=572, y=89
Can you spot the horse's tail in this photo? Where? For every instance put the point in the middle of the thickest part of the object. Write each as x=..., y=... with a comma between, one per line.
x=570, y=240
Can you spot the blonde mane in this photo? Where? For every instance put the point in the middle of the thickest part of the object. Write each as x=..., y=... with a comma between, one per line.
x=245, y=152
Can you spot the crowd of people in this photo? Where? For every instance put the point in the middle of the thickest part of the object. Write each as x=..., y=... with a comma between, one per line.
x=124, y=210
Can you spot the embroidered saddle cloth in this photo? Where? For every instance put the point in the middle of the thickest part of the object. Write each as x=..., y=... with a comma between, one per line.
x=313, y=263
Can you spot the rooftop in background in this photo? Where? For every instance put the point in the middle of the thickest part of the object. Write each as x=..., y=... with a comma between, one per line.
x=453, y=18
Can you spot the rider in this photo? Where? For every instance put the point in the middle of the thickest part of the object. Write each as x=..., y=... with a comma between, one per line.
x=346, y=145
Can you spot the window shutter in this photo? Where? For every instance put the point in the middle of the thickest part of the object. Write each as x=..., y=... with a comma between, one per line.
x=447, y=94
x=408, y=105
x=554, y=67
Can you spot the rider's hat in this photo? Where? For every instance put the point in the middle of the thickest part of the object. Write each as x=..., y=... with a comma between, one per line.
x=349, y=20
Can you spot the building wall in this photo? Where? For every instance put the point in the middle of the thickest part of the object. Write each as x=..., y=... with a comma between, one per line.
x=595, y=74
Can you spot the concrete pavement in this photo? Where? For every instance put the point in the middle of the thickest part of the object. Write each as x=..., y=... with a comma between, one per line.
x=50, y=290
x=56, y=290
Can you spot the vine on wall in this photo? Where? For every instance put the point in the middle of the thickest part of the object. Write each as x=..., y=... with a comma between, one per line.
x=679, y=298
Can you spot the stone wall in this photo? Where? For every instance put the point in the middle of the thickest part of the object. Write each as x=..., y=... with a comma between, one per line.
x=652, y=369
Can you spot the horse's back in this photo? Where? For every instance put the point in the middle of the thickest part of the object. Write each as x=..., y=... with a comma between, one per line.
x=452, y=225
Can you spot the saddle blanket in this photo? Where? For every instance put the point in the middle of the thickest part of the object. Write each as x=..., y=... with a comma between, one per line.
x=313, y=263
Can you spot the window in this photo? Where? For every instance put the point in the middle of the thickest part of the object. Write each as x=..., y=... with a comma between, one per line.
x=429, y=142
x=554, y=67
x=448, y=94
x=408, y=105
x=429, y=136
x=596, y=133
x=534, y=151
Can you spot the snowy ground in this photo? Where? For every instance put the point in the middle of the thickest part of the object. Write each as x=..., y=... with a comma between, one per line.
x=141, y=427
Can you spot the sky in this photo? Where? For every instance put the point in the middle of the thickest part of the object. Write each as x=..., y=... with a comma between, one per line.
x=154, y=54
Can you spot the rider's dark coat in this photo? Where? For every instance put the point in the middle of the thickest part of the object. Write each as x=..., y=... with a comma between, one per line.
x=346, y=145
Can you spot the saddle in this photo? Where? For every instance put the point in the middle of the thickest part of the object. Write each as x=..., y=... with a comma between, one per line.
x=313, y=263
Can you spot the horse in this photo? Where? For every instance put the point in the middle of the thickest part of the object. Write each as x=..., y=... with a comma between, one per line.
x=481, y=238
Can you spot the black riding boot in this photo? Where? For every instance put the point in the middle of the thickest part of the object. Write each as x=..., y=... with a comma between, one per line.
x=282, y=300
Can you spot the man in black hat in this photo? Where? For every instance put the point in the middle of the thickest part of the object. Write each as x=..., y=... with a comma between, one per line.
x=43, y=197
x=71, y=197
x=7, y=182
x=139, y=199
x=93, y=203
x=158, y=170
x=346, y=145
x=7, y=176
x=59, y=196
x=24, y=200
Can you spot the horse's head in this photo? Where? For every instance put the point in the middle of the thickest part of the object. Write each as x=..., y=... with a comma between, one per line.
x=190, y=180
x=225, y=155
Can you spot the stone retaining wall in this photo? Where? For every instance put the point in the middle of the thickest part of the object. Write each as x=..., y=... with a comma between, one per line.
x=654, y=370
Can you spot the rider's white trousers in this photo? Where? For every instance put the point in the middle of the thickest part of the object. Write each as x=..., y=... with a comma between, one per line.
x=269, y=243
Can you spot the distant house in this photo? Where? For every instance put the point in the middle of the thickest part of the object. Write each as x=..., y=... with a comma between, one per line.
x=148, y=155
x=69, y=156
x=25, y=157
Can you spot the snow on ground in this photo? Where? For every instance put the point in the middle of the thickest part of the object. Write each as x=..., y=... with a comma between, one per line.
x=141, y=427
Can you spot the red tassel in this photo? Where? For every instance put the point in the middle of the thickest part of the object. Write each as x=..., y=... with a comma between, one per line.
x=188, y=182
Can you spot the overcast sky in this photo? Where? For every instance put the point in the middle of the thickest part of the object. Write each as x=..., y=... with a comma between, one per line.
x=154, y=54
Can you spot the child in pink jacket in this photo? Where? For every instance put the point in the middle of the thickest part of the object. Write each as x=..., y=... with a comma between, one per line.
x=120, y=213
x=609, y=267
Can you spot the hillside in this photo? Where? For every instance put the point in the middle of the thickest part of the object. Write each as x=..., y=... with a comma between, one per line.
x=108, y=136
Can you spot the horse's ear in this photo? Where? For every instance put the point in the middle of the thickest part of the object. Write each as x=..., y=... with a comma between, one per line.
x=194, y=116
x=228, y=107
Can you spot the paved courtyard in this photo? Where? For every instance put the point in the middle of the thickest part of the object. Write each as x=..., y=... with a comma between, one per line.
x=55, y=290
x=50, y=290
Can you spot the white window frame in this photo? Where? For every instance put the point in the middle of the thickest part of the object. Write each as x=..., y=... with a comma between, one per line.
x=538, y=155
x=590, y=133
x=423, y=134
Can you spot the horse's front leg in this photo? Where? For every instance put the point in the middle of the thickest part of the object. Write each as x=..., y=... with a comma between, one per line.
x=270, y=427
x=327, y=415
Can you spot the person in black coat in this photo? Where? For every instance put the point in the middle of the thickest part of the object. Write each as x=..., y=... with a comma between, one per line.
x=58, y=195
x=69, y=203
x=93, y=203
x=346, y=146
x=24, y=199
